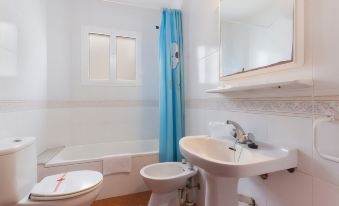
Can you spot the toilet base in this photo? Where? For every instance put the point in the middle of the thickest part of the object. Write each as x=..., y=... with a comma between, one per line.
x=165, y=199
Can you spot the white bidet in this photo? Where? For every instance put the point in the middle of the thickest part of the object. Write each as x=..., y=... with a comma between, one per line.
x=165, y=179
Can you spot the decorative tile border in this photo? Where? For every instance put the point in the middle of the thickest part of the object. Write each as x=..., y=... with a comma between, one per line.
x=17, y=105
x=296, y=107
x=103, y=103
x=300, y=106
x=12, y=106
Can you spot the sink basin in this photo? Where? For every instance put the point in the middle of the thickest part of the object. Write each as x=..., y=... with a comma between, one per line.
x=223, y=163
x=216, y=157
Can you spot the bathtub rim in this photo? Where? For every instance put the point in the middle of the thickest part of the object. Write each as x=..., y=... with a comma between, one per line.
x=51, y=163
x=98, y=159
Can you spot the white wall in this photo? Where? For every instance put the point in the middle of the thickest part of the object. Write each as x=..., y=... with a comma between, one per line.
x=283, y=118
x=27, y=80
x=46, y=97
x=66, y=19
x=86, y=114
x=93, y=124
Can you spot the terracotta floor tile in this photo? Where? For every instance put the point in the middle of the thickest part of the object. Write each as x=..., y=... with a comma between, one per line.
x=140, y=199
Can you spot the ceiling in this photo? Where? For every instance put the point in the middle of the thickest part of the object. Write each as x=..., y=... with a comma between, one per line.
x=150, y=4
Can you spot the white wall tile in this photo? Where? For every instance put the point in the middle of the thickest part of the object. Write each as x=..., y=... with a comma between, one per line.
x=326, y=46
x=29, y=18
x=49, y=69
x=7, y=124
x=292, y=132
x=201, y=46
x=328, y=141
x=92, y=125
x=284, y=189
x=58, y=127
x=24, y=124
x=321, y=44
x=325, y=194
x=76, y=126
x=254, y=187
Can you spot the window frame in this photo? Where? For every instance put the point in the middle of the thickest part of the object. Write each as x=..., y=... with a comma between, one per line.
x=112, y=33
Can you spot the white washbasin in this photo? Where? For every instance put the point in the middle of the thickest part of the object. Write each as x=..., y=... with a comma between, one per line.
x=214, y=156
x=222, y=166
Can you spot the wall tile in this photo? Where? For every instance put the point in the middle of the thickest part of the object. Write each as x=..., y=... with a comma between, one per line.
x=328, y=141
x=292, y=132
x=326, y=46
x=289, y=189
x=325, y=194
x=254, y=187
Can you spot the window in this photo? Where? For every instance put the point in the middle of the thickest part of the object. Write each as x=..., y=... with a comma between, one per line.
x=110, y=57
x=99, y=57
x=126, y=58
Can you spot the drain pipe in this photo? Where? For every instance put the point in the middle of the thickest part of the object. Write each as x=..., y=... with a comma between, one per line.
x=250, y=201
x=189, y=198
x=183, y=195
x=186, y=194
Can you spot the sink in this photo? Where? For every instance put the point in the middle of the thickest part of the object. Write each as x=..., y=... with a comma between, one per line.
x=216, y=157
x=223, y=163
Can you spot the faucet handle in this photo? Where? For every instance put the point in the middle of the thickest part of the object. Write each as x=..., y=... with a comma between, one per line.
x=233, y=133
x=250, y=141
x=190, y=166
x=250, y=136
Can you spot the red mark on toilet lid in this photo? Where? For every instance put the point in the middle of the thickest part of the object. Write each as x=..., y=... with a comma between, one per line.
x=59, y=182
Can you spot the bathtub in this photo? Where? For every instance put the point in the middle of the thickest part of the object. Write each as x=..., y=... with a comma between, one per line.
x=96, y=152
x=89, y=157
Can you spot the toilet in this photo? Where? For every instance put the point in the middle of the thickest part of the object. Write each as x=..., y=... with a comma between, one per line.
x=18, y=177
x=165, y=180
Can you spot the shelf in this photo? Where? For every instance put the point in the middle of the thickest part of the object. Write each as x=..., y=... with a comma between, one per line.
x=295, y=84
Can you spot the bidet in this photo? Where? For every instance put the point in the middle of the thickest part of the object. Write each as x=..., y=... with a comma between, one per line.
x=165, y=180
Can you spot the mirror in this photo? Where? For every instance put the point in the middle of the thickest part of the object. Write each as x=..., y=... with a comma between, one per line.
x=255, y=34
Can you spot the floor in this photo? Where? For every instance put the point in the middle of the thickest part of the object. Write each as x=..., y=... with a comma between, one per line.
x=140, y=199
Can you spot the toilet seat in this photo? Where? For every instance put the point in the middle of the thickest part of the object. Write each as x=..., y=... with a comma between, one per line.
x=66, y=185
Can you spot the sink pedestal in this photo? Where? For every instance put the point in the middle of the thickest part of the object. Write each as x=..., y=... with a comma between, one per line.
x=220, y=191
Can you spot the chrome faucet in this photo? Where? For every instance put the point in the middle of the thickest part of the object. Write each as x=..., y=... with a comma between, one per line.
x=239, y=132
x=241, y=136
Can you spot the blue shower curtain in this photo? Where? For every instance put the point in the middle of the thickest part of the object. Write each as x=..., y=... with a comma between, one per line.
x=172, y=123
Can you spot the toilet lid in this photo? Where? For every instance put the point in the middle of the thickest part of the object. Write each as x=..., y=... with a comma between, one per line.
x=68, y=184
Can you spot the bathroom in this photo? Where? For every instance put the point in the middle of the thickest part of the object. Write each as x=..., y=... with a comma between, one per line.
x=45, y=93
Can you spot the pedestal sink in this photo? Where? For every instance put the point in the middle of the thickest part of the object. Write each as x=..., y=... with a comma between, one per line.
x=223, y=163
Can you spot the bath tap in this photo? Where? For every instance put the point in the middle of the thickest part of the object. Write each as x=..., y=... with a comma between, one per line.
x=241, y=136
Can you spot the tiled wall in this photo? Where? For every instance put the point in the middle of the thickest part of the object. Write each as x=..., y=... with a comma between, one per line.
x=79, y=122
x=47, y=99
x=316, y=181
x=29, y=79
x=279, y=117
x=66, y=20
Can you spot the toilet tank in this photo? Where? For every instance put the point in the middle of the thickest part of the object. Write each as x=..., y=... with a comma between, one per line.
x=18, y=169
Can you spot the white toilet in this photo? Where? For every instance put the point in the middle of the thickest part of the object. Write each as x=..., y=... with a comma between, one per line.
x=18, y=175
x=165, y=179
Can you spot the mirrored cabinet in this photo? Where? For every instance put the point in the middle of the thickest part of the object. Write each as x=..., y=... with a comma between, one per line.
x=258, y=37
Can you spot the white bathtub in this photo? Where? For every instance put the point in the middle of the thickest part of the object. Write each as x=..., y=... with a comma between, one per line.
x=89, y=157
x=96, y=152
